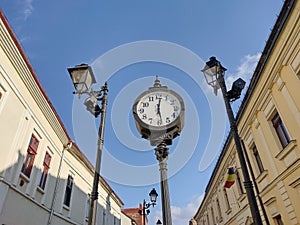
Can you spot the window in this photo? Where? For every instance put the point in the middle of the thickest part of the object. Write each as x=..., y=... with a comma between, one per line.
x=103, y=217
x=29, y=159
x=219, y=210
x=280, y=130
x=46, y=166
x=226, y=198
x=213, y=215
x=258, y=159
x=278, y=220
x=116, y=221
x=68, y=191
x=87, y=208
x=239, y=183
x=2, y=92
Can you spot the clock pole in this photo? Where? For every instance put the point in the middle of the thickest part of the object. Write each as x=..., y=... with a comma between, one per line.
x=161, y=152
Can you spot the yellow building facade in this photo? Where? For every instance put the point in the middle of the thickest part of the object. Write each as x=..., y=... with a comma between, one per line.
x=269, y=127
x=44, y=176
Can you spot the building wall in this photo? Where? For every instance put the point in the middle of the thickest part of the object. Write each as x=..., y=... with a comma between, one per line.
x=25, y=110
x=274, y=88
x=127, y=220
x=136, y=214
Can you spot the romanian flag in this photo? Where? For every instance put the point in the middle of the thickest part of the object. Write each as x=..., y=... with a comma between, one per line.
x=230, y=178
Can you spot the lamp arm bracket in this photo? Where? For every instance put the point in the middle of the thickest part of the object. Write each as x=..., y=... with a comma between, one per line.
x=148, y=204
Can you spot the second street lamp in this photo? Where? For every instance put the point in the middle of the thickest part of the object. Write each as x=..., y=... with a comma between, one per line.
x=158, y=222
x=82, y=77
x=214, y=74
x=145, y=211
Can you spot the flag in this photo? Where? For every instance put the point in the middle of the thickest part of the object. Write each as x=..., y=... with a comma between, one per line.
x=230, y=178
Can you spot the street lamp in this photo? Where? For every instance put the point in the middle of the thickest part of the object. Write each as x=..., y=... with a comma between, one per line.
x=214, y=74
x=158, y=222
x=82, y=77
x=145, y=211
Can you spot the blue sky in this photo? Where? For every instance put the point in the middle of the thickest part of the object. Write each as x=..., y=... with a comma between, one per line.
x=128, y=43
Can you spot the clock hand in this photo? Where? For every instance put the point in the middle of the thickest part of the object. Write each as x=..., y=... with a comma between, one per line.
x=158, y=108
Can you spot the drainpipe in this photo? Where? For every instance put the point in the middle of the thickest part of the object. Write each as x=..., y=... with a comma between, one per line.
x=66, y=147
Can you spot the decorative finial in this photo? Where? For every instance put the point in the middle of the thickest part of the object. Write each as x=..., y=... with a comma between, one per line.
x=157, y=82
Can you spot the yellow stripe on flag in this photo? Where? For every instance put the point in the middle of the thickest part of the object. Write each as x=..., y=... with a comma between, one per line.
x=230, y=178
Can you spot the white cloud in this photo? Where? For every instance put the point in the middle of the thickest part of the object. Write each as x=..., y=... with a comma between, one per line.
x=26, y=8
x=245, y=70
x=182, y=215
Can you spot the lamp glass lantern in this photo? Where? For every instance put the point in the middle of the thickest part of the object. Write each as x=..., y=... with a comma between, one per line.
x=158, y=222
x=82, y=77
x=211, y=71
x=153, y=195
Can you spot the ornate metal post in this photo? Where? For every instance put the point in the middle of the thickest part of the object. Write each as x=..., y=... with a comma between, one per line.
x=161, y=152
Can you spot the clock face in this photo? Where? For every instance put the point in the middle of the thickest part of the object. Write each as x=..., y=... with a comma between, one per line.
x=158, y=108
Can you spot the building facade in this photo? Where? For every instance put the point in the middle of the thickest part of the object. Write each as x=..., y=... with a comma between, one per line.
x=136, y=214
x=269, y=127
x=44, y=177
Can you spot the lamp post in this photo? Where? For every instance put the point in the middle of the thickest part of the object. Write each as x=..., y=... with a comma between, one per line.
x=145, y=211
x=214, y=74
x=83, y=78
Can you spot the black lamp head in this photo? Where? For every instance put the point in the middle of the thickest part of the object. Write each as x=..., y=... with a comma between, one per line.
x=238, y=85
x=153, y=195
x=236, y=89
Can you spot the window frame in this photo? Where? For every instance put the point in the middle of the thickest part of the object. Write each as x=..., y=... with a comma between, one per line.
x=219, y=210
x=87, y=208
x=30, y=156
x=68, y=190
x=103, y=217
x=280, y=130
x=2, y=93
x=257, y=158
x=226, y=199
x=213, y=214
x=278, y=220
x=239, y=183
x=46, y=167
x=207, y=218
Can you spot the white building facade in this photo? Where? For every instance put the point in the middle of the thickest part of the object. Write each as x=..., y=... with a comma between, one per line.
x=44, y=177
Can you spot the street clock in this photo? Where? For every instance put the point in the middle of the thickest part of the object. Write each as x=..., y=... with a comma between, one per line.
x=159, y=114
